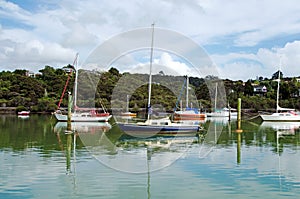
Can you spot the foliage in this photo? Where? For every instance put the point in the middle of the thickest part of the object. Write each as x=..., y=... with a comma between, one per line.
x=42, y=92
x=248, y=91
x=19, y=90
x=277, y=74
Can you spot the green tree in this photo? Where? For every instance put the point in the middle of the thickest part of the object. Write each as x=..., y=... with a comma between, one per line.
x=276, y=75
x=248, y=90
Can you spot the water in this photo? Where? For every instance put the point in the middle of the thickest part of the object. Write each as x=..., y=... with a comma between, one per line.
x=38, y=160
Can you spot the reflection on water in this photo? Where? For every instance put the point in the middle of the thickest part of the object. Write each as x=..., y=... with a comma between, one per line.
x=102, y=162
x=282, y=128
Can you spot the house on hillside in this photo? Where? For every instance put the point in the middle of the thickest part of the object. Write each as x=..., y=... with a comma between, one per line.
x=29, y=73
x=260, y=90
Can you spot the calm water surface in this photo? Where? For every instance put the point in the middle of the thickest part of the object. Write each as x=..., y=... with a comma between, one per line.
x=39, y=160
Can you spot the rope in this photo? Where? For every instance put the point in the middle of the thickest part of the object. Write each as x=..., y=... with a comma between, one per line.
x=251, y=118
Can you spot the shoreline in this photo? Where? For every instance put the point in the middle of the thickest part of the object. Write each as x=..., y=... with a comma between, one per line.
x=12, y=111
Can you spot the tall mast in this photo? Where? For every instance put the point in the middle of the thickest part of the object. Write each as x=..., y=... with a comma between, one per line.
x=278, y=84
x=127, y=104
x=150, y=74
x=187, y=91
x=277, y=95
x=216, y=96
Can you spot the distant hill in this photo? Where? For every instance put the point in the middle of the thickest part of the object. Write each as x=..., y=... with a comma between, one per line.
x=42, y=91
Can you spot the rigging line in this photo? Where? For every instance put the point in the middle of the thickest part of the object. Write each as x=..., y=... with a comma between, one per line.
x=67, y=82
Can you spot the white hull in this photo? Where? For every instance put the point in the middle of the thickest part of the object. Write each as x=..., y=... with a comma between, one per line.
x=188, y=115
x=222, y=114
x=281, y=117
x=24, y=113
x=82, y=118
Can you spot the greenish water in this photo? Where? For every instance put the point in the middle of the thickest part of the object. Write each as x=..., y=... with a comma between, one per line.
x=38, y=160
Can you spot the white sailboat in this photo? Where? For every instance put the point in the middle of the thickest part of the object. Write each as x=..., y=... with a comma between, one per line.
x=224, y=112
x=281, y=114
x=128, y=114
x=77, y=116
x=151, y=126
x=189, y=113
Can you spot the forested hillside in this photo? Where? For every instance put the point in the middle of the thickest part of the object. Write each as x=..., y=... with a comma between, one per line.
x=42, y=91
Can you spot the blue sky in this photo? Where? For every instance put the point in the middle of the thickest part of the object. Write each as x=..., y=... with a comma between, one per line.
x=245, y=39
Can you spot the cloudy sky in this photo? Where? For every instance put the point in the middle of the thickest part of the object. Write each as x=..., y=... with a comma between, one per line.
x=245, y=39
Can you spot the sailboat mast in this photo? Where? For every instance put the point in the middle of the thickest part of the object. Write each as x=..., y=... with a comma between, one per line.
x=216, y=96
x=277, y=95
x=278, y=85
x=187, y=91
x=150, y=74
x=127, y=104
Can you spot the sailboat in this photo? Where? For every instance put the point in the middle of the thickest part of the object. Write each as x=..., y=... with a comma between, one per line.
x=224, y=112
x=154, y=126
x=128, y=113
x=189, y=113
x=281, y=114
x=88, y=115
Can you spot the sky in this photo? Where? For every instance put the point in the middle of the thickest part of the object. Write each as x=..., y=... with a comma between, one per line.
x=244, y=39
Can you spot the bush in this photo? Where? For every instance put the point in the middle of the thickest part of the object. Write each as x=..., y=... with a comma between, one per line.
x=21, y=108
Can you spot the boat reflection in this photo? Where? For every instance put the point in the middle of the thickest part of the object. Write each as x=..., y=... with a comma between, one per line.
x=282, y=135
x=282, y=128
x=221, y=120
x=23, y=116
x=83, y=127
x=213, y=129
x=91, y=134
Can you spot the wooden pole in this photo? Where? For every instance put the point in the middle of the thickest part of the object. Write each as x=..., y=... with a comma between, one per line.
x=239, y=130
x=68, y=152
x=238, y=148
x=239, y=116
x=239, y=108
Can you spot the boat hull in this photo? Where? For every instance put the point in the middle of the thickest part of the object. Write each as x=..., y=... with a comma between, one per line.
x=178, y=117
x=280, y=117
x=189, y=114
x=128, y=114
x=25, y=113
x=64, y=118
x=151, y=130
x=222, y=114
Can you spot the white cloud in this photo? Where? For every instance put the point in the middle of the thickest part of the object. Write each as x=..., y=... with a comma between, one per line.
x=163, y=63
x=179, y=67
x=34, y=55
x=264, y=63
x=47, y=35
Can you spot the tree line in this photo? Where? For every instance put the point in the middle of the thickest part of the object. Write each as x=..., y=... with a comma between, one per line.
x=42, y=92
